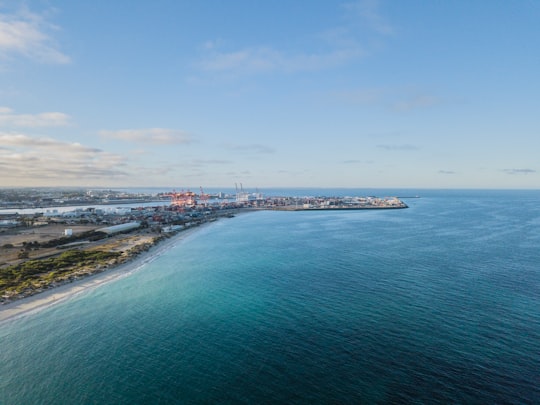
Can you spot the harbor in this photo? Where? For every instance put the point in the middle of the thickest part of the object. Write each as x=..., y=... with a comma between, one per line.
x=50, y=243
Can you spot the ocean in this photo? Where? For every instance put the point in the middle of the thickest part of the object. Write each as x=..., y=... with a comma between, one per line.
x=437, y=303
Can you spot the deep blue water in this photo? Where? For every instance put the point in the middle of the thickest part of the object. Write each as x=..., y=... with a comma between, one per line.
x=438, y=303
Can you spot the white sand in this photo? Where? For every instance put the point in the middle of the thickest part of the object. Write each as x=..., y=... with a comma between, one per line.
x=31, y=304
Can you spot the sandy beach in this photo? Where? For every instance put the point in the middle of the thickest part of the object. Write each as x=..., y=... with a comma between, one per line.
x=37, y=302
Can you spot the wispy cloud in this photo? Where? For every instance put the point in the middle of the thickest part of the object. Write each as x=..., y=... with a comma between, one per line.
x=335, y=46
x=359, y=96
x=27, y=34
x=203, y=162
x=401, y=100
x=265, y=59
x=369, y=12
x=398, y=147
x=251, y=148
x=415, y=102
x=519, y=171
x=446, y=172
x=157, y=136
x=47, y=119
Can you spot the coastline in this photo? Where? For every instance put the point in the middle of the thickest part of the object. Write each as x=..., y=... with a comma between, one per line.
x=45, y=299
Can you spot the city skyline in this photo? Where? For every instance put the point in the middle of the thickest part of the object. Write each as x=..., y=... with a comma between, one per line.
x=365, y=94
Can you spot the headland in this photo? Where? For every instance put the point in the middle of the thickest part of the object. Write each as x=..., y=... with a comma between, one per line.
x=47, y=256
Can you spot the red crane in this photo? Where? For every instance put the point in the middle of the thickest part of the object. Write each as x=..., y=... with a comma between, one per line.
x=183, y=199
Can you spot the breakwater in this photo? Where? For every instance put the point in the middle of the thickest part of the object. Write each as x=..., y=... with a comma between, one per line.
x=332, y=203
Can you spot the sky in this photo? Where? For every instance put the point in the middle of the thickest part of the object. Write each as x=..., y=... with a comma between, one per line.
x=296, y=93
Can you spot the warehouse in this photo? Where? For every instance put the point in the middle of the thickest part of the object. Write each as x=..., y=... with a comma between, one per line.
x=110, y=230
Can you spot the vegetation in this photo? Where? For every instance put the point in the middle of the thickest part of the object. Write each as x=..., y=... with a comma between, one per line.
x=40, y=273
x=89, y=235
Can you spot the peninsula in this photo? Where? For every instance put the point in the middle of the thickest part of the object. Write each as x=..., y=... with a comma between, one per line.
x=46, y=248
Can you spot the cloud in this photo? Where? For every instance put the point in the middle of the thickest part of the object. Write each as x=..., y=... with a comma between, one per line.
x=368, y=11
x=26, y=141
x=157, y=136
x=46, y=119
x=416, y=102
x=398, y=147
x=202, y=162
x=394, y=99
x=335, y=46
x=359, y=96
x=519, y=171
x=446, y=172
x=40, y=160
x=254, y=148
x=26, y=34
x=265, y=59
x=211, y=44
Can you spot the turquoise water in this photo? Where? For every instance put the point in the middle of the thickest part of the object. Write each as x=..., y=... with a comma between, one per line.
x=436, y=303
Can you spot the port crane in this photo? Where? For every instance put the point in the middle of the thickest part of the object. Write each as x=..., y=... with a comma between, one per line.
x=183, y=199
x=203, y=197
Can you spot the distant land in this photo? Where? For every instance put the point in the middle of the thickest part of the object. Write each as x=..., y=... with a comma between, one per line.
x=51, y=237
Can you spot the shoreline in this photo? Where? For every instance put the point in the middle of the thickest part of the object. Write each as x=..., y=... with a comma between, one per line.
x=34, y=303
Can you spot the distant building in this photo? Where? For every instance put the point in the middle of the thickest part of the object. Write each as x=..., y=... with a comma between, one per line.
x=122, y=211
x=172, y=228
x=110, y=230
x=8, y=223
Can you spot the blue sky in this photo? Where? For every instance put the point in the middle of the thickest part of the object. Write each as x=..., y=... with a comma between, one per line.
x=417, y=93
